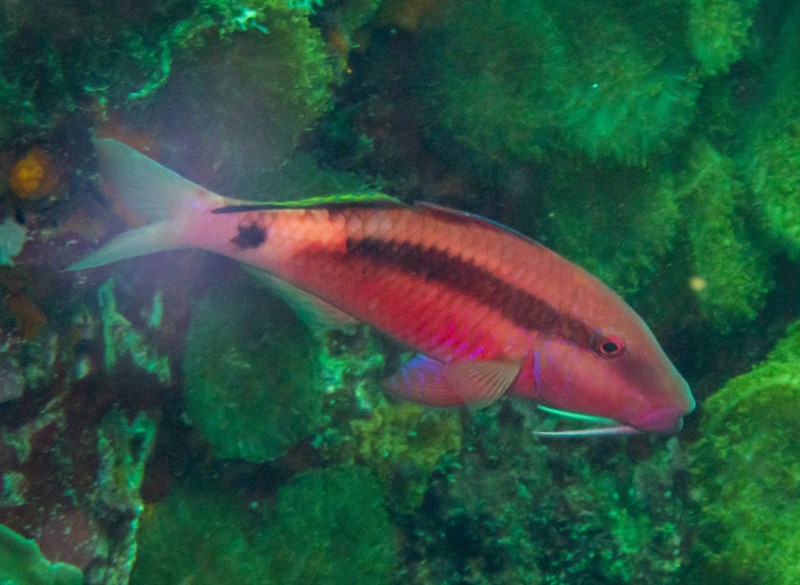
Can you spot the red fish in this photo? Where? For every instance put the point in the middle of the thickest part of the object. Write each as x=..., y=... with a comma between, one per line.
x=490, y=311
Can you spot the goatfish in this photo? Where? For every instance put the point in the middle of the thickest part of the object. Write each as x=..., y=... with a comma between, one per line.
x=490, y=312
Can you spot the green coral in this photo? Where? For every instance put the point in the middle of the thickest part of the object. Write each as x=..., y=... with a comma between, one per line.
x=746, y=471
x=732, y=274
x=330, y=528
x=718, y=32
x=253, y=385
x=22, y=563
x=404, y=444
x=513, y=81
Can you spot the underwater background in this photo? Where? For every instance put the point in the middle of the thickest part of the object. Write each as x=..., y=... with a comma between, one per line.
x=167, y=420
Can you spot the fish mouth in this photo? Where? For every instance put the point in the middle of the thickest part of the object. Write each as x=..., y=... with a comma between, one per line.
x=604, y=427
x=667, y=420
x=664, y=420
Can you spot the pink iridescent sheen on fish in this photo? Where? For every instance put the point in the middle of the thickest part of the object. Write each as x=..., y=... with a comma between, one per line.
x=491, y=312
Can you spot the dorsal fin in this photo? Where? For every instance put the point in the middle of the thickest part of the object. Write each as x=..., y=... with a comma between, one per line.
x=371, y=199
x=455, y=215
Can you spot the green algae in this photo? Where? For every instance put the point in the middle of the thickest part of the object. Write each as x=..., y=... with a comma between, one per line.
x=201, y=535
x=746, y=473
x=732, y=270
x=22, y=563
x=330, y=528
x=513, y=82
x=719, y=31
x=253, y=384
x=616, y=222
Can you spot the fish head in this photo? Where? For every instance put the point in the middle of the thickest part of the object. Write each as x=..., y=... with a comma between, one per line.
x=617, y=371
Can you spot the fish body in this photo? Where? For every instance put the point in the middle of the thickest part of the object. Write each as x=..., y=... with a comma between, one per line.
x=490, y=311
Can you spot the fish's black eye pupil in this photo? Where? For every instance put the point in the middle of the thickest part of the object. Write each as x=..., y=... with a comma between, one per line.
x=610, y=346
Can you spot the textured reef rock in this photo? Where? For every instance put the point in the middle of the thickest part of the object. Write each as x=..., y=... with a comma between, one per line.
x=746, y=472
x=405, y=445
x=327, y=527
x=253, y=385
x=515, y=510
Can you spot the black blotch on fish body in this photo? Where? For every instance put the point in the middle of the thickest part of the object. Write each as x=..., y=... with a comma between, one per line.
x=518, y=305
x=250, y=236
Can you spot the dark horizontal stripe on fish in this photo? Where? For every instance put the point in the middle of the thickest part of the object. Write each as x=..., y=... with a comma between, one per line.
x=519, y=306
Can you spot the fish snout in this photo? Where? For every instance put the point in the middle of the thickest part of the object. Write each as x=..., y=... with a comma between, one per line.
x=669, y=418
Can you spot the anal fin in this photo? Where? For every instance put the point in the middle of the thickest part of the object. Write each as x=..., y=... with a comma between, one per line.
x=310, y=309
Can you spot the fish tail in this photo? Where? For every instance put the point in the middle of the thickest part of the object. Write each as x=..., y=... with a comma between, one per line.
x=155, y=193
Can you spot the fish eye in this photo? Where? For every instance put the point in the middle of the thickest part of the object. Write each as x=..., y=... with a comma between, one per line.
x=609, y=346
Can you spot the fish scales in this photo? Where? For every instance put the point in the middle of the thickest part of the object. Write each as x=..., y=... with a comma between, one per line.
x=374, y=265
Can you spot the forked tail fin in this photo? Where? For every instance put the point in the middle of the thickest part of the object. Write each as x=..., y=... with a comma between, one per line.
x=152, y=191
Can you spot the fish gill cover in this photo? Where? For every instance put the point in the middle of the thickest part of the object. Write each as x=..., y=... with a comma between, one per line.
x=163, y=420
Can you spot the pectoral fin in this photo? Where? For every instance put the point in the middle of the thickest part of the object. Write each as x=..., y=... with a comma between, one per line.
x=474, y=382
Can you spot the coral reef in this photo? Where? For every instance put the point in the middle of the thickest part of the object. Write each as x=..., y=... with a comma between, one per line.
x=253, y=385
x=774, y=150
x=656, y=143
x=12, y=238
x=746, y=472
x=122, y=339
x=257, y=75
x=641, y=224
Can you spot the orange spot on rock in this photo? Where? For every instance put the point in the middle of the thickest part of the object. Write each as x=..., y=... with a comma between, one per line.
x=34, y=176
